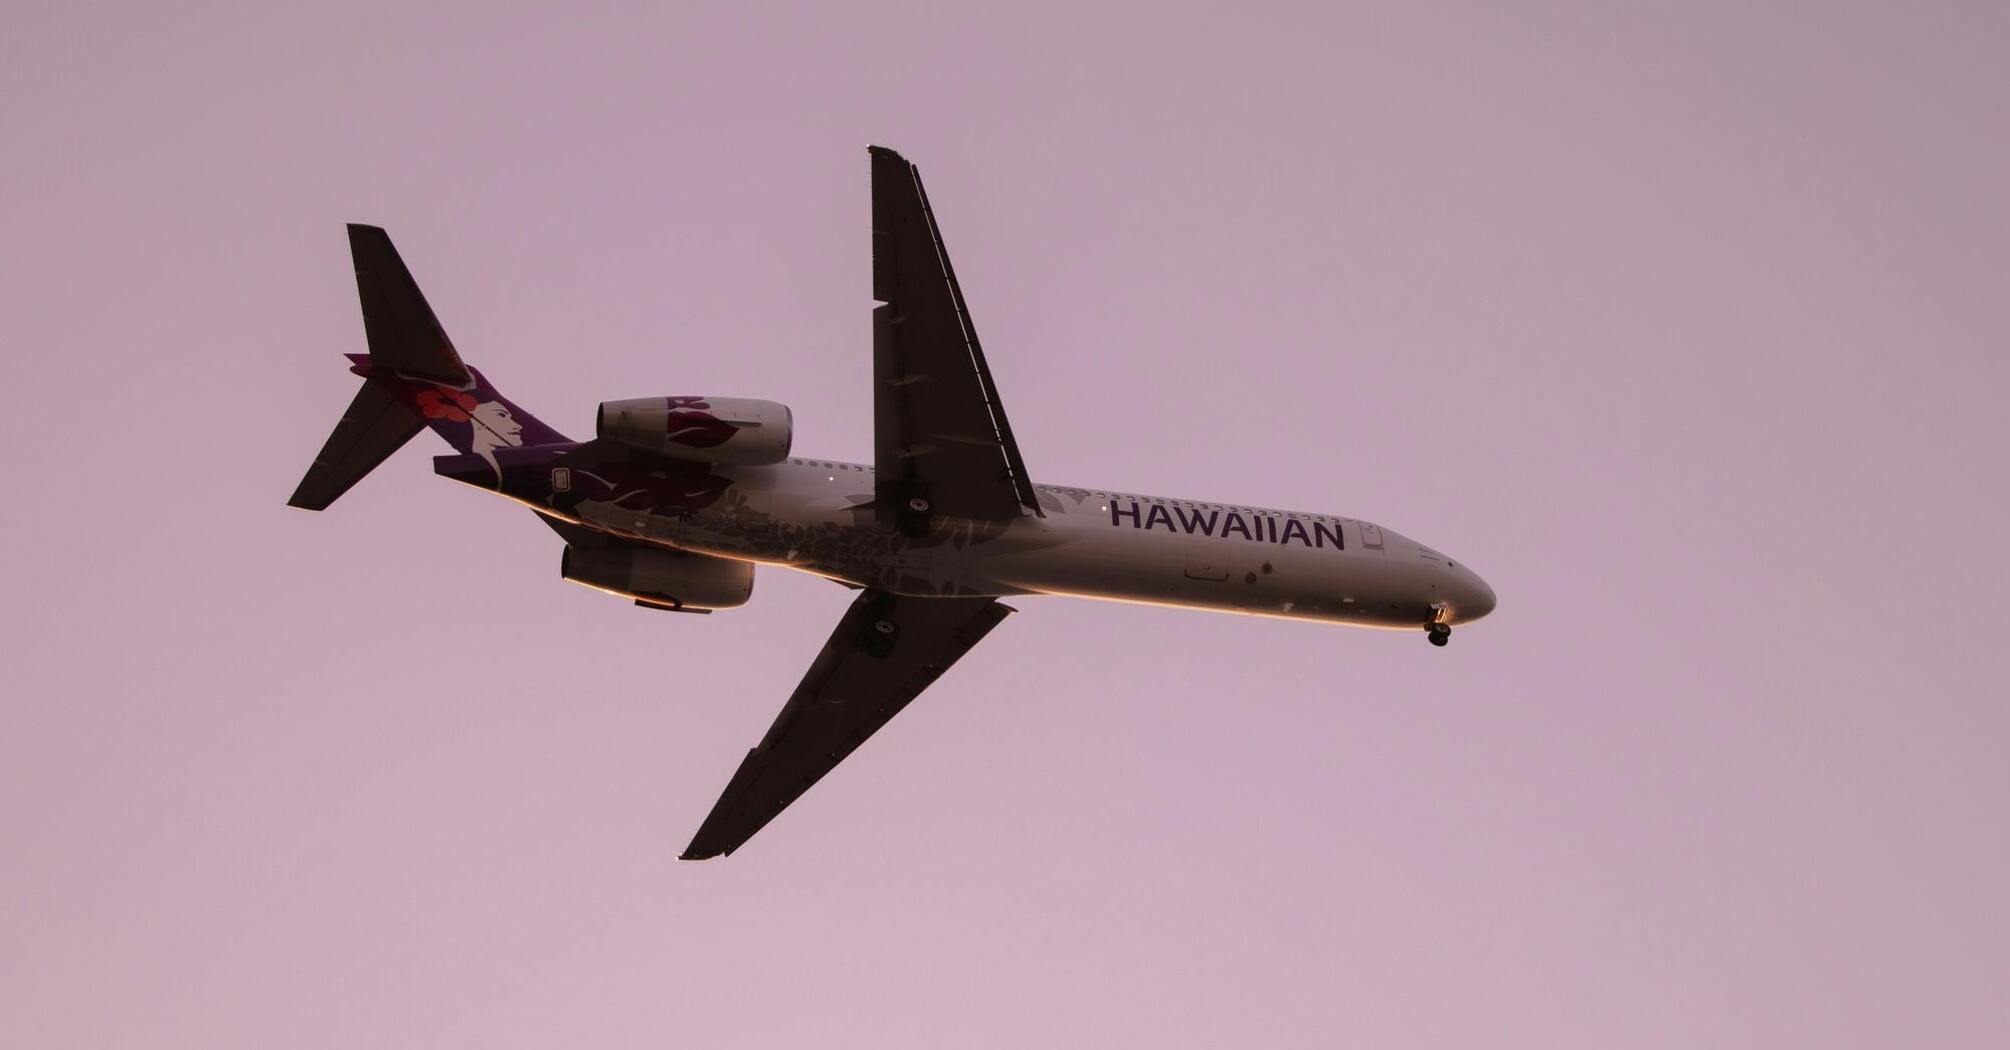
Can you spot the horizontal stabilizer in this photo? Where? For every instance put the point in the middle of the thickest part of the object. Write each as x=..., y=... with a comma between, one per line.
x=377, y=424
x=404, y=335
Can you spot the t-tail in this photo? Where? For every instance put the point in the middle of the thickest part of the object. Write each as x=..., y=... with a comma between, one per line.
x=412, y=378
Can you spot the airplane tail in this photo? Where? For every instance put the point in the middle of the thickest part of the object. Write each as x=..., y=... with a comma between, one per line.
x=412, y=378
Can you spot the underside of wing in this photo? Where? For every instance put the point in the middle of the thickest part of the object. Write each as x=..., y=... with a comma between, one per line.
x=885, y=651
x=942, y=444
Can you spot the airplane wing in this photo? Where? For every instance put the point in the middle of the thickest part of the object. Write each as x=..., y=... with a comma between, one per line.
x=941, y=442
x=885, y=651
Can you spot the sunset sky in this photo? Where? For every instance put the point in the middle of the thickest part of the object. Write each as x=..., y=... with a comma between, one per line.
x=1681, y=323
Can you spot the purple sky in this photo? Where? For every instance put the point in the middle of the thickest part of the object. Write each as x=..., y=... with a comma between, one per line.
x=1684, y=325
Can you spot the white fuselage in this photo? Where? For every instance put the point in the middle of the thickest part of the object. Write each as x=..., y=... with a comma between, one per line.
x=815, y=516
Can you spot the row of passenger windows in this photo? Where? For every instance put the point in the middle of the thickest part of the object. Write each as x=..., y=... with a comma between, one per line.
x=1150, y=500
x=1105, y=496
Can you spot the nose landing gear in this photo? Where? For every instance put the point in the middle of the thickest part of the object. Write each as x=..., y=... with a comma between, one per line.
x=1439, y=631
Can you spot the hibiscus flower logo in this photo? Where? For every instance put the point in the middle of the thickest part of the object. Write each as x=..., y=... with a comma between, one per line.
x=690, y=425
x=700, y=429
x=445, y=403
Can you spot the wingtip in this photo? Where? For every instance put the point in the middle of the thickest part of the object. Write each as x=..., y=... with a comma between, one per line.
x=700, y=849
x=704, y=846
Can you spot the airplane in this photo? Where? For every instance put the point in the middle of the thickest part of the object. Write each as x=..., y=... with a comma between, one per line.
x=676, y=499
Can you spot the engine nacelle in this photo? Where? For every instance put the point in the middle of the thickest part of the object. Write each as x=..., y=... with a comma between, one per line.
x=729, y=431
x=660, y=577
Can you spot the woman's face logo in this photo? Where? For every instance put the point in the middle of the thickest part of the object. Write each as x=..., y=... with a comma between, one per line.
x=494, y=428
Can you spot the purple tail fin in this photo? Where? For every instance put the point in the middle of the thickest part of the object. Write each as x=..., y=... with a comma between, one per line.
x=412, y=378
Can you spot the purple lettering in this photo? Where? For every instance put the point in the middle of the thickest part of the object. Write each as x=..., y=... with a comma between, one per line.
x=1192, y=521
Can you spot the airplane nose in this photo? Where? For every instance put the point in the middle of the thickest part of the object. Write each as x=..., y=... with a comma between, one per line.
x=1474, y=598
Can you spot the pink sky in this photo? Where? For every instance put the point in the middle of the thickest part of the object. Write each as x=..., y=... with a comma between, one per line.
x=1683, y=324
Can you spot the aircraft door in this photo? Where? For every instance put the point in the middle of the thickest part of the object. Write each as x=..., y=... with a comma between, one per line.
x=1206, y=558
x=1371, y=537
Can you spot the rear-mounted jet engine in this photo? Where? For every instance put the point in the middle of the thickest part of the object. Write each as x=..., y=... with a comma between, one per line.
x=661, y=578
x=726, y=431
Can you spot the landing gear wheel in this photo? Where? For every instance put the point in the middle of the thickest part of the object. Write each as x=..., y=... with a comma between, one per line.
x=918, y=505
x=1441, y=634
x=885, y=626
